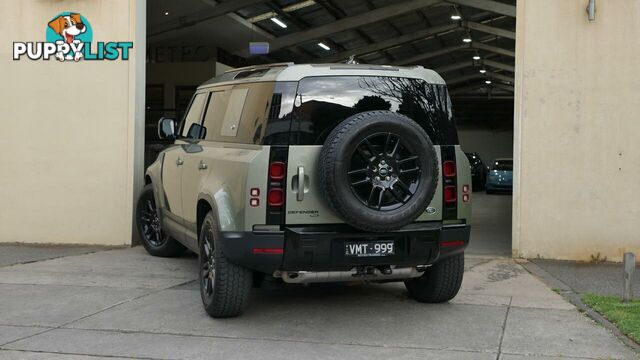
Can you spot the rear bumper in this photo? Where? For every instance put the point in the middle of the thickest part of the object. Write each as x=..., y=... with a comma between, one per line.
x=321, y=248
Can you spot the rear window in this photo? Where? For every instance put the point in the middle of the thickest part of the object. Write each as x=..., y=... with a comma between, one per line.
x=502, y=165
x=323, y=102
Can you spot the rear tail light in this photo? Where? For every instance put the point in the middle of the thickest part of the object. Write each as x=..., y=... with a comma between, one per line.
x=454, y=243
x=277, y=170
x=449, y=169
x=275, y=197
x=276, y=185
x=270, y=251
x=450, y=194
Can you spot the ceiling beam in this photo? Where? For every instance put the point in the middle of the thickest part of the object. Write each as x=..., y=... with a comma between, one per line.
x=287, y=9
x=464, y=89
x=494, y=49
x=499, y=65
x=465, y=78
x=453, y=67
x=428, y=55
x=346, y=24
x=393, y=42
x=490, y=29
x=501, y=77
x=503, y=86
x=488, y=5
x=195, y=18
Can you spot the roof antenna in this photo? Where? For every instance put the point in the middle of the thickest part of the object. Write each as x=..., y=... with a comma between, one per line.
x=352, y=60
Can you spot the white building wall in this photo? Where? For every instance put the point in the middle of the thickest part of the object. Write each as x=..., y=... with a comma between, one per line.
x=72, y=138
x=576, y=130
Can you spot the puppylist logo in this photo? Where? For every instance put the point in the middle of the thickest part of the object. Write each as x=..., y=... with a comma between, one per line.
x=69, y=37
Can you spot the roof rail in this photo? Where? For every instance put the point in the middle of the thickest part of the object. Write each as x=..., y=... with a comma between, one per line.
x=258, y=67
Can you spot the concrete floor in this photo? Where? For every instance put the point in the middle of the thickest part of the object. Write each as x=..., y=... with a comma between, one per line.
x=124, y=303
x=491, y=225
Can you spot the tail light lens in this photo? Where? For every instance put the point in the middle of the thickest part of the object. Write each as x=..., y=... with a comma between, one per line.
x=275, y=197
x=449, y=169
x=276, y=185
x=277, y=170
x=450, y=194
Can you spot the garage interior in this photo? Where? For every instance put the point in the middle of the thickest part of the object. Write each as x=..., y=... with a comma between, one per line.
x=470, y=43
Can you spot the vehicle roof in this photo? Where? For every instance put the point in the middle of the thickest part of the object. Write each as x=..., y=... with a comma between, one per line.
x=296, y=72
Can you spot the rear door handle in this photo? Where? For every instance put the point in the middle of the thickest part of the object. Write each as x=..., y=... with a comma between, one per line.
x=300, y=195
x=202, y=166
x=179, y=162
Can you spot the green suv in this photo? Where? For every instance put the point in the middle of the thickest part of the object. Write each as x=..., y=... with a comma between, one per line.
x=312, y=173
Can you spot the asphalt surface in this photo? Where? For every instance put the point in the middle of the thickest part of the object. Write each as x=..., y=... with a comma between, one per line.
x=589, y=278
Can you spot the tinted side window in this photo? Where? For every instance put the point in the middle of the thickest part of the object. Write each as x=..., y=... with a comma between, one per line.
x=278, y=124
x=326, y=101
x=238, y=114
x=191, y=123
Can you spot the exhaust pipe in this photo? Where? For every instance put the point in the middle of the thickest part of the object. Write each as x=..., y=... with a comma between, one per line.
x=369, y=273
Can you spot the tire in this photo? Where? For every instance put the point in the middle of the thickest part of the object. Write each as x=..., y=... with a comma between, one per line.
x=354, y=157
x=440, y=282
x=154, y=240
x=225, y=290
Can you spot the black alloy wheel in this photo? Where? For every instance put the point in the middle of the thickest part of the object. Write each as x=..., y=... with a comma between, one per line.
x=384, y=174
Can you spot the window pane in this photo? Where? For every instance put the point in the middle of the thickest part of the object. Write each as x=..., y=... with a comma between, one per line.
x=191, y=125
x=215, y=113
x=327, y=101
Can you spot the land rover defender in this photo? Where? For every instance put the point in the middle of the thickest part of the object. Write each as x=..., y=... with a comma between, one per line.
x=312, y=173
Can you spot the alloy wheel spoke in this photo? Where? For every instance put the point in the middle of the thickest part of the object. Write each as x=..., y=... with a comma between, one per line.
x=397, y=195
x=404, y=187
x=380, y=198
x=360, y=182
x=386, y=143
x=410, y=158
x=371, y=197
x=395, y=148
x=402, y=171
x=369, y=147
x=358, y=171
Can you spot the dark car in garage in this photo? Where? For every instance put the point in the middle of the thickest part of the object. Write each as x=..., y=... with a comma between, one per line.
x=478, y=170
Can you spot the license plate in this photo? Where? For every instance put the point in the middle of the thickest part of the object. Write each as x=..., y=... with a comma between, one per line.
x=369, y=248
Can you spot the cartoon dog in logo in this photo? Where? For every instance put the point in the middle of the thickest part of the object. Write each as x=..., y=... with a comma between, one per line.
x=68, y=27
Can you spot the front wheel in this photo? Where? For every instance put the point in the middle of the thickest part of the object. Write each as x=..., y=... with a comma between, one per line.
x=154, y=239
x=440, y=282
x=224, y=286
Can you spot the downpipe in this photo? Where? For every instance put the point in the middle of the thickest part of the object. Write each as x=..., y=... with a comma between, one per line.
x=366, y=273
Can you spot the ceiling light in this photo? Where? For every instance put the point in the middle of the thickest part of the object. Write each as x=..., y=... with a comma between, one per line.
x=467, y=40
x=482, y=71
x=456, y=17
x=166, y=13
x=279, y=22
x=487, y=82
x=322, y=45
x=476, y=57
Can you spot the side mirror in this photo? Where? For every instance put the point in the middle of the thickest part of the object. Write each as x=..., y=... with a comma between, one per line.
x=167, y=128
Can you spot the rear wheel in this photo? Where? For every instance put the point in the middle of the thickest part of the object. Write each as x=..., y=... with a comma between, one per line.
x=440, y=282
x=224, y=286
x=154, y=240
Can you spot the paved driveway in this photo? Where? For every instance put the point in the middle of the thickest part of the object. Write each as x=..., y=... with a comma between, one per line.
x=124, y=303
